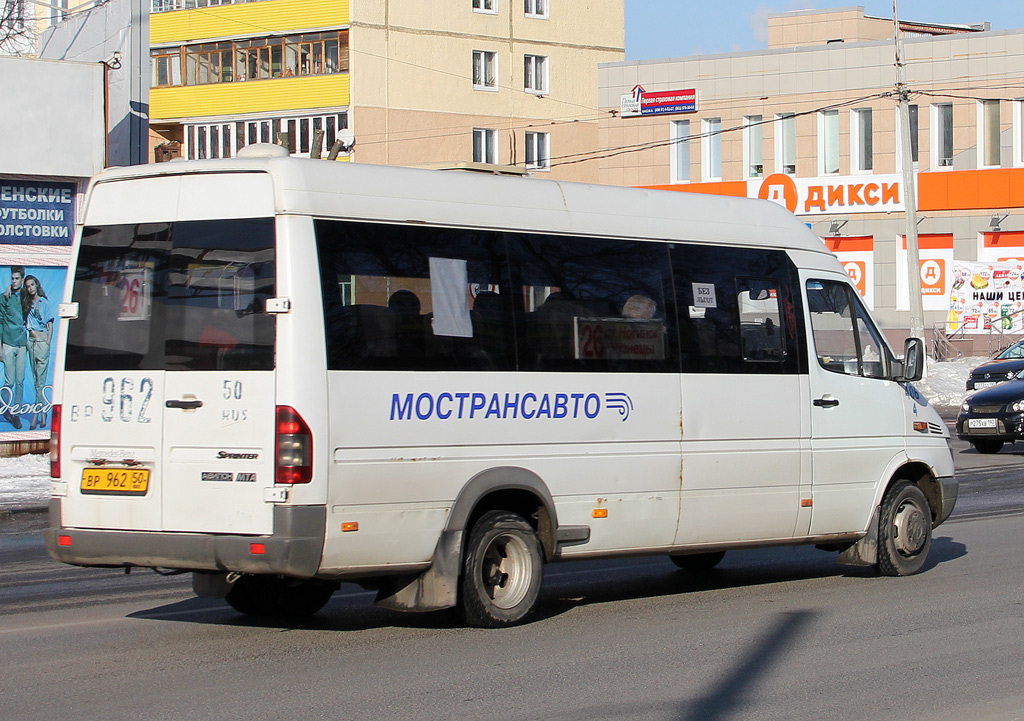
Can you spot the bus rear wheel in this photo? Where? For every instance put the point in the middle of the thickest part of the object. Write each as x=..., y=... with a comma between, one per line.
x=278, y=596
x=904, y=530
x=502, y=571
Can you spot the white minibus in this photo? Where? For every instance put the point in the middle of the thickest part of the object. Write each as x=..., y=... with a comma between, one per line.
x=282, y=374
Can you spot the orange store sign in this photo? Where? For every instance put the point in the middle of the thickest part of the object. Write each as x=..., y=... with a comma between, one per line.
x=831, y=193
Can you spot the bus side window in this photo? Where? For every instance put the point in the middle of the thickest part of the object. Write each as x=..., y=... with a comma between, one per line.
x=845, y=339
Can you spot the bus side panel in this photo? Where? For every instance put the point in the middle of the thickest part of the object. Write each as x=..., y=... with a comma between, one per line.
x=405, y=445
x=745, y=448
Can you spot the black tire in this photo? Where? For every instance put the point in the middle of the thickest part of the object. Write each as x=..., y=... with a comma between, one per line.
x=698, y=562
x=987, y=446
x=904, y=530
x=502, y=569
x=278, y=596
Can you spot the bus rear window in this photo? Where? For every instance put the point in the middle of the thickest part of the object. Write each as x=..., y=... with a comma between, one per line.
x=189, y=295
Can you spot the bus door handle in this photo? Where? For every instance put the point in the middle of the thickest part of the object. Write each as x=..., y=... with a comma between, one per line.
x=826, y=402
x=191, y=405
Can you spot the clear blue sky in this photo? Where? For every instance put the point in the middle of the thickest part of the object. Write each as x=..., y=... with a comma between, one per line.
x=673, y=28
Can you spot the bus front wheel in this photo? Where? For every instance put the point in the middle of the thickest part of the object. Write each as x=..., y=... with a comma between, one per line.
x=502, y=571
x=904, y=530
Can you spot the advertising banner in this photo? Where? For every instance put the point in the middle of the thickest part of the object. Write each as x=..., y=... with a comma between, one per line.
x=37, y=221
x=984, y=296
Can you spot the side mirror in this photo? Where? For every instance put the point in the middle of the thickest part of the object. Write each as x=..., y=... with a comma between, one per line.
x=913, y=360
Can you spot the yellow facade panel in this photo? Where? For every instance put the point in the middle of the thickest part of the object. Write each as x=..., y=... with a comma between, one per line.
x=254, y=96
x=268, y=16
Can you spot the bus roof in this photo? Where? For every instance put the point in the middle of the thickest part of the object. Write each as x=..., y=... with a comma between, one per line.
x=324, y=188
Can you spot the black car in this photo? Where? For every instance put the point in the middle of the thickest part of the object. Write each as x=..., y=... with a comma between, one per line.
x=992, y=417
x=1004, y=367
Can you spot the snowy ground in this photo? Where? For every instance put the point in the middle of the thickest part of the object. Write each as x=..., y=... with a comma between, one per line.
x=25, y=481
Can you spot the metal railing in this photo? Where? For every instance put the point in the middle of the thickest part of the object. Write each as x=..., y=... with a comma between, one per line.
x=997, y=338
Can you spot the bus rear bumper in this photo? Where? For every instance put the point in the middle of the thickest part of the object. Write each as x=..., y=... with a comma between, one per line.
x=294, y=549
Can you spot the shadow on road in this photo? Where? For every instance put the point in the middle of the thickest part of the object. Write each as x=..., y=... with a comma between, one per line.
x=566, y=586
x=730, y=695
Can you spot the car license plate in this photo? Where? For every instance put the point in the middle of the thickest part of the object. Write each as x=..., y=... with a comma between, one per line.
x=981, y=422
x=115, y=481
x=983, y=384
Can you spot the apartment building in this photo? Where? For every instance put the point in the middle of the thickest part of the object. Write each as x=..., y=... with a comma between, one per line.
x=812, y=122
x=499, y=82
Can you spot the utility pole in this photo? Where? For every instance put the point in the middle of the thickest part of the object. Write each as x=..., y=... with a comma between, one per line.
x=909, y=186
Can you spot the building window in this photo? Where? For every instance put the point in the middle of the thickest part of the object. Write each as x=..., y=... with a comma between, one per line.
x=536, y=8
x=485, y=6
x=861, y=148
x=166, y=68
x=163, y=6
x=537, y=151
x=485, y=70
x=680, y=147
x=828, y=142
x=58, y=11
x=785, y=143
x=942, y=135
x=711, y=149
x=225, y=139
x=254, y=59
x=485, y=146
x=753, y=146
x=988, y=133
x=535, y=73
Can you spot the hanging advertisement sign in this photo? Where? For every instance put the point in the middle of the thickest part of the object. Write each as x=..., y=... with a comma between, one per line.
x=984, y=296
x=641, y=102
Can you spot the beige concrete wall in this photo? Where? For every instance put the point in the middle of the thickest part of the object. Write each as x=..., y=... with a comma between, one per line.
x=414, y=137
x=804, y=80
x=409, y=58
x=818, y=27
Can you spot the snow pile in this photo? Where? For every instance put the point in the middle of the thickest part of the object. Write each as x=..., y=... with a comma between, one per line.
x=24, y=482
x=945, y=385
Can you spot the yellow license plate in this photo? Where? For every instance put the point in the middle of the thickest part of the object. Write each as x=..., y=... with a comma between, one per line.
x=115, y=481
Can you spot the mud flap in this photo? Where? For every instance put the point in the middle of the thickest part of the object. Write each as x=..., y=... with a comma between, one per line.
x=865, y=551
x=434, y=589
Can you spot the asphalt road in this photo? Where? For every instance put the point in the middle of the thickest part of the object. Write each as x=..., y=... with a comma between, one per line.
x=775, y=634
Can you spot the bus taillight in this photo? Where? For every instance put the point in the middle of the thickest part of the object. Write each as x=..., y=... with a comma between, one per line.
x=55, y=442
x=294, y=448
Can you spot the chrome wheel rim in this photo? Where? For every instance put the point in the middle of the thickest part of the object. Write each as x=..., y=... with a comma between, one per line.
x=910, y=528
x=506, y=570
